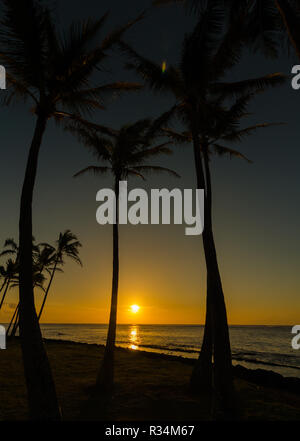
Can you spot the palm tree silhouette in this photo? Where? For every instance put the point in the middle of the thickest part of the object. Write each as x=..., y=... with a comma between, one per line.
x=41, y=259
x=225, y=128
x=9, y=273
x=197, y=85
x=12, y=267
x=67, y=246
x=53, y=72
x=38, y=282
x=126, y=152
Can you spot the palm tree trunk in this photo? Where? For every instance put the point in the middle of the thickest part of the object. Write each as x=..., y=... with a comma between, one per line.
x=5, y=292
x=105, y=378
x=47, y=290
x=13, y=318
x=41, y=391
x=3, y=284
x=291, y=23
x=224, y=406
x=201, y=379
x=16, y=324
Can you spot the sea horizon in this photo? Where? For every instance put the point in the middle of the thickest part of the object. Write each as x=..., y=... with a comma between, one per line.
x=253, y=346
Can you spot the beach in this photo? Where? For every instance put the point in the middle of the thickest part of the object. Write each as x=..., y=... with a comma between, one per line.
x=148, y=386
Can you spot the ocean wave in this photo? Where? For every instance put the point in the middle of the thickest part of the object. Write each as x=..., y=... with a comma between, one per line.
x=266, y=363
x=168, y=348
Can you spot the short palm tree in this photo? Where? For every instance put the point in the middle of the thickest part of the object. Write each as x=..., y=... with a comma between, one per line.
x=38, y=282
x=10, y=271
x=198, y=88
x=67, y=245
x=10, y=274
x=125, y=153
x=43, y=256
x=54, y=73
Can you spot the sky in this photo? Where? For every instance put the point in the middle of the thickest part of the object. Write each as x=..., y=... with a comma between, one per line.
x=255, y=208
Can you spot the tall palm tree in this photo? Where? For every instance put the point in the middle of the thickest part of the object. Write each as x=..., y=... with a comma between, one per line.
x=125, y=152
x=67, y=246
x=224, y=128
x=53, y=72
x=198, y=87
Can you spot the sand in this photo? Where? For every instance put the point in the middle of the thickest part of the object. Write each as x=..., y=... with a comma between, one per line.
x=147, y=387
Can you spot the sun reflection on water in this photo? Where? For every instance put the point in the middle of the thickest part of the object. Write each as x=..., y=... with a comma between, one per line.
x=133, y=337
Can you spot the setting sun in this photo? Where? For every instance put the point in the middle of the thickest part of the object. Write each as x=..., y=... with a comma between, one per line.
x=134, y=308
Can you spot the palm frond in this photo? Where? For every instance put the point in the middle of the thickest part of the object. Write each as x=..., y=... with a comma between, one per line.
x=238, y=135
x=155, y=169
x=97, y=170
x=246, y=86
x=222, y=150
x=23, y=41
x=177, y=137
x=149, y=153
x=115, y=36
x=291, y=19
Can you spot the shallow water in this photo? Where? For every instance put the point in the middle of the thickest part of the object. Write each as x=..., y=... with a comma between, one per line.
x=266, y=347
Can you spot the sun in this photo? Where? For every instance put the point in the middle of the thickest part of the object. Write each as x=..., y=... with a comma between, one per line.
x=134, y=308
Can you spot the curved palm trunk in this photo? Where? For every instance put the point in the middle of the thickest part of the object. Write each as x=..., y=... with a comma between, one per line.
x=216, y=340
x=40, y=386
x=201, y=379
x=47, y=290
x=5, y=292
x=105, y=378
x=3, y=284
x=16, y=323
x=13, y=318
x=224, y=406
x=291, y=23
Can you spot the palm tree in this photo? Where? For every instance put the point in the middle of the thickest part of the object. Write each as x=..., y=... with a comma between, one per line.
x=225, y=128
x=125, y=151
x=9, y=273
x=38, y=281
x=197, y=85
x=12, y=267
x=42, y=257
x=54, y=72
x=2, y=276
x=67, y=245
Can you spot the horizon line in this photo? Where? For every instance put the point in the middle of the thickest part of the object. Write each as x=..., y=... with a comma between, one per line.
x=166, y=324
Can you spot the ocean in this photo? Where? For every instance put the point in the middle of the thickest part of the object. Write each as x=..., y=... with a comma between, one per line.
x=265, y=347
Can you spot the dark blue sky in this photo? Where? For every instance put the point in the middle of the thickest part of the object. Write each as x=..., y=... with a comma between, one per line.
x=256, y=206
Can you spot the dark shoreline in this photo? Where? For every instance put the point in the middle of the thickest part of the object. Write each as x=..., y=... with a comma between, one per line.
x=149, y=386
x=261, y=377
